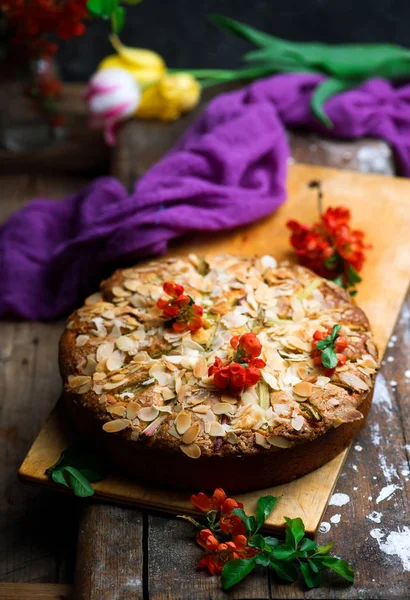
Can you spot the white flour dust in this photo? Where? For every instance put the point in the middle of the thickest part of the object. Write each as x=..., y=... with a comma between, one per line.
x=397, y=543
x=339, y=500
x=324, y=527
x=375, y=516
x=381, y=398
x=387, y=492
x=389, y=471
x=375, y=433
x=335, y=518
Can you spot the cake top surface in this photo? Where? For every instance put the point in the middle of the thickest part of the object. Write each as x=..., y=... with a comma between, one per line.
x=223, y=360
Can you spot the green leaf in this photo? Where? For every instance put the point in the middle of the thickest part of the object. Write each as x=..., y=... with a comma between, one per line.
x=323, y=92
x=332, y=261
x=296, y=528
x=236, y=570
x=311, y=578
x=308, y=545
x=250, y=522
x=266, y=504
x=352, y=276
x=58, y=477
x=117, y=19
x=245, y=32
x=284, y=570
x=132, y=2
x=335, y=332
x=353, y=292
x=78, y=483
x=324, y=549
x=262, y=559
x=257, y=541
x=283, y=552
x=329, y=358
x=339, y=566
x=316, y=564
x=271, y=542
x=102, y=8
x=339, y=281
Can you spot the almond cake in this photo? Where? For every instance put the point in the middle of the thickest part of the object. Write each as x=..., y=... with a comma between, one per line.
x=199, y=372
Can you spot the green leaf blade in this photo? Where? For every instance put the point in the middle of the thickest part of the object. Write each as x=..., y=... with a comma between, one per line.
x=78, y=483
x=312, y=579
x=266, y=504
x=249, y=522
x=324, y=91
x=340, y=567
x=236, y=570
x=329, y=358
x=297, y=529
x=284, y=552
x=284, y=570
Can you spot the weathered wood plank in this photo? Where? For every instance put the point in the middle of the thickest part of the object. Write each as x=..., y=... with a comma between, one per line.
x=172, y=558
x=37, y=544
x=35, y=591
x=109, y=554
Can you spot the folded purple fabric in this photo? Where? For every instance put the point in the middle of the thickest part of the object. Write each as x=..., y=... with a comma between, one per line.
x=228, y=169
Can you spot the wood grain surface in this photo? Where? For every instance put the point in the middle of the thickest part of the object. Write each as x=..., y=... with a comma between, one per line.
x=38, y=529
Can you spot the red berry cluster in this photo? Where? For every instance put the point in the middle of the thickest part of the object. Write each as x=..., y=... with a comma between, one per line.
x=330, y=247
x=181, y=312
x=340, y=344
x=244, y=369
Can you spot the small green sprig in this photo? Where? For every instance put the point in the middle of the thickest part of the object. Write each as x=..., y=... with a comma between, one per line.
x=110, y=10
x=285, y=559
x=76, y=468
x=328, y=356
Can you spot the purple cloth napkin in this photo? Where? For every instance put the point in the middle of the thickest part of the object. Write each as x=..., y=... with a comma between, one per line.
x=228, y=169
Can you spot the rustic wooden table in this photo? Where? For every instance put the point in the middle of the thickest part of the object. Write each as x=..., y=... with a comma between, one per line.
x=124, y=553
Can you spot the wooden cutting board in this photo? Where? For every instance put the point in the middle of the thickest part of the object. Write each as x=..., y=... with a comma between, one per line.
x=381, y=207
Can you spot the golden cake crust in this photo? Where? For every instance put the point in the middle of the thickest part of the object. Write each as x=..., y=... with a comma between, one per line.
x=129, y=377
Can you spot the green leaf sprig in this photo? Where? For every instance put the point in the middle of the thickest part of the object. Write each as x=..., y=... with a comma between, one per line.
x=345, y=65
x=110, y=10
x=76, y=468
x=285, y=559
x=328, y=356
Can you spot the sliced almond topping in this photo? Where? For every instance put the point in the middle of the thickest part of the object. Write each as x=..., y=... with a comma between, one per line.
x=270, y=380
x=99, y=376
x=172, y=431
x=191, y=433
x=230, y=399
x=125, y=343
x=118, y=410
x=83, y=389
x=216, y=429
x=131, y=284
x=162, y=377
x=280, y=442
x=182, y=422
x=81, y=340
x=303, y=389
x=261, y=440
x=201, y=409
x=104, y=350
x=233, y=438
x=79, y=380
x=108, y=314
x=353, y=381
x=192, y=450
x=111, y=385
x=117, y=425
x=93, y=299
x=223, y=408
x=119, y=292
x=298, y=422
x=201, y=368
x=148, y=413
x=167, y=394
x=115, y=361
x=295, y=342
x=132, y=410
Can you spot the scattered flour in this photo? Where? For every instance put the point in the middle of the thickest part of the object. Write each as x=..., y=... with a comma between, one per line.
x=405, y=472
x=339, y=500
x=407, y=374
x=389, y=471
x=375, y=516
x=358, y=447
x=324, y=527
x=387, y=492
x=394, y=338
x=381, y=398
x=393, y=383
x=335, y=518
x=354, y=468
x=397, y=543
x=390, y=358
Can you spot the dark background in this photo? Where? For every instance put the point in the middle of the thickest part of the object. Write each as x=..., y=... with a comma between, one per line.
x=180, y=32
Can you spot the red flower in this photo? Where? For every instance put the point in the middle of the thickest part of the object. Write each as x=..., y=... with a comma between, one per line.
x=329, y=247
x=340, y=344
x=232, y=524
x=244, y=369
x=224, y=552
x=214, y=502
x=180, y=310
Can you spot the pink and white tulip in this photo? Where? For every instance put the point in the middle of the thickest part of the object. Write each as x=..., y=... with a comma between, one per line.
x=112, y=96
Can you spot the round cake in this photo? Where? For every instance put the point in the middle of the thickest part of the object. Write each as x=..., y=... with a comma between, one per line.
x=200, y=372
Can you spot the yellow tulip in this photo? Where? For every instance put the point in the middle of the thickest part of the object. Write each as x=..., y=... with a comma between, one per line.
x=145, y=66
x=169, y=98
